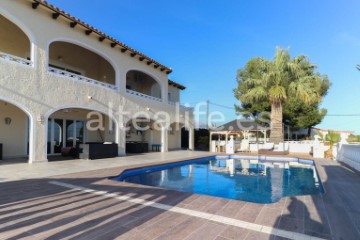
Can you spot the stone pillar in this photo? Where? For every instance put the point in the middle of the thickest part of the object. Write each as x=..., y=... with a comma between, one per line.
x=164, y=139
x=121, y=82
x=120, y=139
x=264, y=132
x=318, y=148
x=230, y=146
x=164, y=93
x=38, y=140
x=191, y=139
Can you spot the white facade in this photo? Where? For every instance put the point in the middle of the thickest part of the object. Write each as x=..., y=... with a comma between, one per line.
x=41, y=80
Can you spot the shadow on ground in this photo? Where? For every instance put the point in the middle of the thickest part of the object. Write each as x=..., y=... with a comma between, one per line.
x=38, y=208
x=45, y=211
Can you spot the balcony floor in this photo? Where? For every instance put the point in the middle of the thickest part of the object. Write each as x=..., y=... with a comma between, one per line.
x=62, y=206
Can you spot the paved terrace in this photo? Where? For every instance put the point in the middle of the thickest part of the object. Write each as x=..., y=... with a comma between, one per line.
x=86, y=205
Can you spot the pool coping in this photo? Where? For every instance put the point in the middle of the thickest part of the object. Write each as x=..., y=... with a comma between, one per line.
x=313, y=162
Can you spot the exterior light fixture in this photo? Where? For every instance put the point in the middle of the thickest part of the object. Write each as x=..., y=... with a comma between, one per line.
x=89, y=97
x=8, y=120
x=40, y=118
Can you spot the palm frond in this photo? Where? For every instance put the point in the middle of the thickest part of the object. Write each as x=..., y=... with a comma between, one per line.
x=303, y=91
x=277, y=94
x=252, y=82
x=254, y=95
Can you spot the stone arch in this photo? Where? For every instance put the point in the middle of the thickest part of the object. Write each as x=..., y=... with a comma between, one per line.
x=108, y=131
x=17, y=39
x=30, y=145
x=102, y=68
x=142, y=81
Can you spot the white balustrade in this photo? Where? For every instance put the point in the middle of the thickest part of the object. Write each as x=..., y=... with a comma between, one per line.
x=81, y=78
x=142, y=95
x=350, y=155
x=15, y=59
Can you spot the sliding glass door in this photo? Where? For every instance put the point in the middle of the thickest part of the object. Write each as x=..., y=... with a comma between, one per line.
x=64, y=133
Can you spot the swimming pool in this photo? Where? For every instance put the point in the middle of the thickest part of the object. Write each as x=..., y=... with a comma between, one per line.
x=246, y=178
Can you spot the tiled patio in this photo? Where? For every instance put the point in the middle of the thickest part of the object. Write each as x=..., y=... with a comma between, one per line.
x=93, y=207
x=19, y=169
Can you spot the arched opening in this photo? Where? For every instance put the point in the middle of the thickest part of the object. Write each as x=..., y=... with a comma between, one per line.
x=73, y=60
x=139, y=82
x=69, y=130
x=14, y=42
x=14, y=133
x=142, y=135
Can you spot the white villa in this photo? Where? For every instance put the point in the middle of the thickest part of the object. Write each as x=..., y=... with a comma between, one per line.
x=56, y=69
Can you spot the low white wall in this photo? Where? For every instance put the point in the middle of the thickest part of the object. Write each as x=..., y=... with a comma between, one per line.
x=350, y=155
x=299, y=147
x=292, y=146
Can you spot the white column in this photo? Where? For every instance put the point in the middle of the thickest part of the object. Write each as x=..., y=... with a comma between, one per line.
x=38, y=140
x=191, y=139
x=164, y=93
x=122, y=82
x=120, y=138
x=31, y=140
x=164, y=139
x=264, y=132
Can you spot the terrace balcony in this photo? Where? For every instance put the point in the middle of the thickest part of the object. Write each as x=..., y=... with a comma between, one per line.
x=66, y=73
x=81, y=64
x=144, y=86
x=15, y=46
x=14, y=59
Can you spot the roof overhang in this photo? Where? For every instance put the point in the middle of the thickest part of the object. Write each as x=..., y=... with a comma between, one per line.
x=177, y=85
x=90, y=30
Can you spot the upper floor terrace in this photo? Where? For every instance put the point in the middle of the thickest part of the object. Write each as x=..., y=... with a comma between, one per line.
x=53, y=42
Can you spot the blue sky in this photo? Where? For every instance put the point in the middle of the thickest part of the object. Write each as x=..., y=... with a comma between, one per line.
x=206, y=41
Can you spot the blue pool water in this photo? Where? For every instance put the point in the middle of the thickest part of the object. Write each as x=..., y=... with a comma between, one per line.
x=243, y=178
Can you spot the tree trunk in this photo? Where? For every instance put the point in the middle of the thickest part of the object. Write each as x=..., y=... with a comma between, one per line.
x=277, y=133
x=309, y=132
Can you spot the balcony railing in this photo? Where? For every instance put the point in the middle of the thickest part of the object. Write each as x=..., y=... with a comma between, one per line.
x=81, y=78
x=142, y=95
x=14, y=59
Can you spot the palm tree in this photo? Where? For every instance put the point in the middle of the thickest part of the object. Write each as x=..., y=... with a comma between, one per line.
x=282, y=78
x=333, y=137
